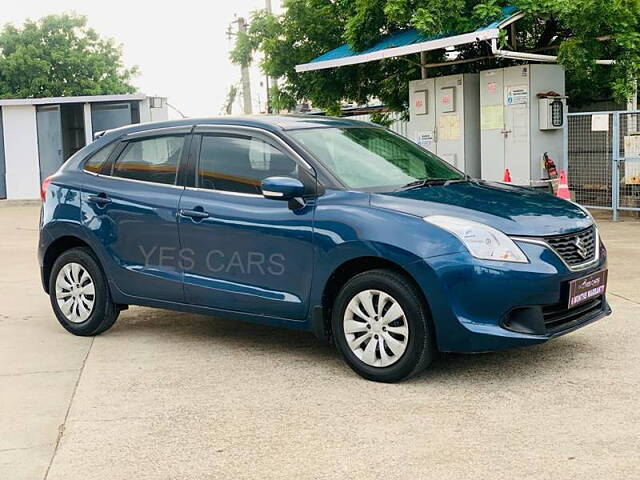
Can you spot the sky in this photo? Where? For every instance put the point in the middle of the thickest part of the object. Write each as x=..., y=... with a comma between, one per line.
x=181, y=47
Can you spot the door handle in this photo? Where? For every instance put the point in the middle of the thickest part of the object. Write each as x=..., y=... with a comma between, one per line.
x=101, y=199
x=197, y=214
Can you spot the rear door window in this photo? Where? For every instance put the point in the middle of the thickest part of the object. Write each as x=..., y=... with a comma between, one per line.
x=150, y=159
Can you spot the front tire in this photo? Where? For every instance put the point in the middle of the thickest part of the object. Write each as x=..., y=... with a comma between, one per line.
x=79, y=294
x=382, y=327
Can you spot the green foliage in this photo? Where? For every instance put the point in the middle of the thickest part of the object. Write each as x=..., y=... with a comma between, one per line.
x=242, y=53
x=382, y=118
x=59, y=55
x=568, y=28
x=486, y=12
x=364, y=26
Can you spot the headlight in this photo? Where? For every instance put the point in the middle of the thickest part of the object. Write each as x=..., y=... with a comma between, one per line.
x=481, y=240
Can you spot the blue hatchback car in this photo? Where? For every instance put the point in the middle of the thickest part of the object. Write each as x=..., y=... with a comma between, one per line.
x=338, y=227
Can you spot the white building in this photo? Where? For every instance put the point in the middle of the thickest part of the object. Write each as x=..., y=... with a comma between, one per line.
x=37, y=135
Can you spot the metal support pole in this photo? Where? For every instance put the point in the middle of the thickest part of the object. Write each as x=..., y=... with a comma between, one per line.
x=565, y=142
x=615, y=170
x=88, y=127
x=632, y=106
x=423, y=63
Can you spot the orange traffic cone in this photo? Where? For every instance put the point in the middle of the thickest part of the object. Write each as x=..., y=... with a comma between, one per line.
x=563, y=186
x=507, y=176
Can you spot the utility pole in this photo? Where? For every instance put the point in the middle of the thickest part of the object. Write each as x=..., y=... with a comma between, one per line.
x=270, y=81
x=244, y=73
x=244, y=69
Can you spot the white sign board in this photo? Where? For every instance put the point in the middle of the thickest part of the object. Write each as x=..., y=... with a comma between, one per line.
x=632, y=167
x=600, y=123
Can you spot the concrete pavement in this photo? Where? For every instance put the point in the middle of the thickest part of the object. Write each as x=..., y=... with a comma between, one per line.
x=179, y=396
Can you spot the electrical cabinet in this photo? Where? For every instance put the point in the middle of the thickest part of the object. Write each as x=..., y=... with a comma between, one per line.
x=444, y=114
x=422, y=116
x=522, y=114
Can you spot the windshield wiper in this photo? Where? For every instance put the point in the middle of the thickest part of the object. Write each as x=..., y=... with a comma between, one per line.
x=457, y=180
x=427, y=182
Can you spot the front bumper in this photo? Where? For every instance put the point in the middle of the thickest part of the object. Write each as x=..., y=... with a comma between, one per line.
x=480, y=306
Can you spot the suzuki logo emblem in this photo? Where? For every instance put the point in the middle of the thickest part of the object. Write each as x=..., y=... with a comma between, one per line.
x=581, y=248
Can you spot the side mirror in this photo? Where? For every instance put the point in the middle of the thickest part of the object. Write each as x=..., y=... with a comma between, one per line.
x=282, y=188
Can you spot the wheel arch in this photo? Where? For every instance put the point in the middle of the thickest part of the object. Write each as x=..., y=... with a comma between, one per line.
x=341, y=275
x=57, y=248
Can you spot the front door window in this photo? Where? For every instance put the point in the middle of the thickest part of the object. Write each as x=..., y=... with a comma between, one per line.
x=239, y=164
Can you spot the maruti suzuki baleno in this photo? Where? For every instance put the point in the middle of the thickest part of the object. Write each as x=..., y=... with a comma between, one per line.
x=338, y=227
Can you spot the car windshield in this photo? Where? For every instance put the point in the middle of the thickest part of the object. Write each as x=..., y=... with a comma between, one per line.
x=374, y=159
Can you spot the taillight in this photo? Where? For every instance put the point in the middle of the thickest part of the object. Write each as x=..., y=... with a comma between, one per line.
x=44, y=187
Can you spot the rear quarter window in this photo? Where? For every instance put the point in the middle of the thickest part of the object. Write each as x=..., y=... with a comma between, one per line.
x=98, y=159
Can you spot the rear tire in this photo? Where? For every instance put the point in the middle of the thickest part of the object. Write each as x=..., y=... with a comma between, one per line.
x=387, y=313
x=79, y=294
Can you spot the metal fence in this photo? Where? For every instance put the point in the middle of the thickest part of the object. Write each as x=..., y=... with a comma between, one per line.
x=602, y=152
x=398, y=125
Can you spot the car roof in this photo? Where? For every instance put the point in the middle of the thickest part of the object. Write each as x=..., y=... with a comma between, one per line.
x=266, y=122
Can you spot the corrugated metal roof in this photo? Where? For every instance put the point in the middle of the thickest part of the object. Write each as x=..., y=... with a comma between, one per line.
x=407, y=38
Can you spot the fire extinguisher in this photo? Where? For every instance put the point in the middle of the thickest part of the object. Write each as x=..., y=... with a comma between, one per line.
x=550, y=166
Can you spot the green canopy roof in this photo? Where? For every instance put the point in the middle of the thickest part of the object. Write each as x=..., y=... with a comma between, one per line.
x=407, y=42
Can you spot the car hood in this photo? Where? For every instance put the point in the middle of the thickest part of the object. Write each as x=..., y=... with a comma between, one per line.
x=511, y=209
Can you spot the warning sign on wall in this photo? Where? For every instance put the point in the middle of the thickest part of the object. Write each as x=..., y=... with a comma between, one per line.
x=517, y=94
x=425, y=139
x=420, y=105
x=447, y=100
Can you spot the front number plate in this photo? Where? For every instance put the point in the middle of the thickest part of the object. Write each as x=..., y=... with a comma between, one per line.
x=587, y=288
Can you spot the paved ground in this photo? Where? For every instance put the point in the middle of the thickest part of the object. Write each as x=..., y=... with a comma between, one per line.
x=175, y=396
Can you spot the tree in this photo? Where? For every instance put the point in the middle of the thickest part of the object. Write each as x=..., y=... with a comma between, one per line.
x=232, y=93
x=59, y=55
x=578, y=31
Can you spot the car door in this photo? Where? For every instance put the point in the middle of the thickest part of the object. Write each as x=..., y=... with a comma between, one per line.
x=130, y=207
x=241, y=251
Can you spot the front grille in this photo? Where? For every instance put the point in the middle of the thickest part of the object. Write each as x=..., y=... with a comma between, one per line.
x=575, y=248
x=558, y=317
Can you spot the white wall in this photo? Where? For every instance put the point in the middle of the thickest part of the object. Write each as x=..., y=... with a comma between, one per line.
x=145, y=114
x=21, y=152
x=148, y=114
x=160, y=114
